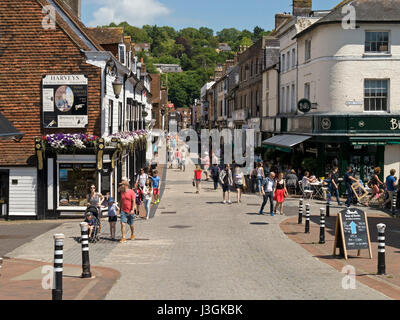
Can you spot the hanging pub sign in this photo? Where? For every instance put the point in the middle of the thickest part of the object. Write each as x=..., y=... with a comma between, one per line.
x=65, y=101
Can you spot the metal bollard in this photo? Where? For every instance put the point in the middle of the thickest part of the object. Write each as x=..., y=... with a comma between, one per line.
x=300, y=211
x=322, y=226
x=381, y=249
x=307, y=228
x=58, y=266
x=328, y=208
x=394, y=200
x=85, y=251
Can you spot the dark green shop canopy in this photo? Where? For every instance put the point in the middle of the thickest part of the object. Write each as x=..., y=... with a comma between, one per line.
x=285, y=142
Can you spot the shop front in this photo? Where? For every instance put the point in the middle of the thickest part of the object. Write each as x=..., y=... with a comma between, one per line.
x=361, y=141
x=65, y=174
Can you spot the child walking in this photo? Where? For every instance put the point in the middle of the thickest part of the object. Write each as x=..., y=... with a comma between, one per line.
x=147, y=191
x=112, y=216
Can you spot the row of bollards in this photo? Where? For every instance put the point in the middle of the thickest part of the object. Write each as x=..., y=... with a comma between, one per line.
x=58, y=260
x=381, y=231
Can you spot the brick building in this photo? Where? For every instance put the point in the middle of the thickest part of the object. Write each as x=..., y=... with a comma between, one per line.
x=45, y=71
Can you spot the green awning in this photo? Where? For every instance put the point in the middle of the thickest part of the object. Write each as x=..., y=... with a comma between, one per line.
x=374, y=141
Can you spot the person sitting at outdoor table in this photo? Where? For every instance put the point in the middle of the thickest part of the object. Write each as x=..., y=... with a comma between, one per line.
x=374, y=184
x=313, y=179
x=306, y=181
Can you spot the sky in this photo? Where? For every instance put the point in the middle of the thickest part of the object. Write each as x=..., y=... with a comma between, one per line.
x=214, y=14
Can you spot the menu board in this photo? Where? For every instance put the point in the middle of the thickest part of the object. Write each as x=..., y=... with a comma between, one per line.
x=65, y=101
x=352, y=231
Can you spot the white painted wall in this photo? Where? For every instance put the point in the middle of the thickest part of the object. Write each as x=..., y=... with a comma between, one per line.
x=392, y=160
x=338, y=67
x=23, y=197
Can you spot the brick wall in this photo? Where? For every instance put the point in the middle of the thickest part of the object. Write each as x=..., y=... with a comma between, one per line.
x=27, y=53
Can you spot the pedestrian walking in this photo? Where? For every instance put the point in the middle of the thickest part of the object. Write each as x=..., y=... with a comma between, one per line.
x=253, y=179
x=141, y=179
x=156, y=183
x=147, y=191
x=391, y=185
x=215, y=171
x=348, y=181
x=226, y=180
x=128, y=201
x=335, y=184
x=267, y=191
x=94, y=199
x=112, y=216
x=239, y=181
x=374, y=184
x=197, y=178
x=206, y=163
x=260, y=175
x=280, y=192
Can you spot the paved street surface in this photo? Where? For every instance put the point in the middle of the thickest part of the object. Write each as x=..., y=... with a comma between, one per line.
x=195, y=247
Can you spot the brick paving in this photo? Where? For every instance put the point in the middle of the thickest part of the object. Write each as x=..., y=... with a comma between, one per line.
x=22, y=280
x=366, y=268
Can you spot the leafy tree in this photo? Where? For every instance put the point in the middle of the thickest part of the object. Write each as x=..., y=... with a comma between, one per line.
x=207, y=33
x=228, y=35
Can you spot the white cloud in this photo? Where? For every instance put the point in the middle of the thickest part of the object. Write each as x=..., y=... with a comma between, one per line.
x=135, y=12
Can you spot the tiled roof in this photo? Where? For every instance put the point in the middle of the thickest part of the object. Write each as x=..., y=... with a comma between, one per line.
x=27, y=53
x=107, y=35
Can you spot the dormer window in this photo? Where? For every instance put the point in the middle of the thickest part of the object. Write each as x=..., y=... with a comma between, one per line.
x=121, y=53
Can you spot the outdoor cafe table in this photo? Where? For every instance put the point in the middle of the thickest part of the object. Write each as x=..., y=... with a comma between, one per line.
x=317, y=186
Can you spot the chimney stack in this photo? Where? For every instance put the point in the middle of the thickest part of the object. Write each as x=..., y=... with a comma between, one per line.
x=281, y=18
x=302, y=8
x=75, y=6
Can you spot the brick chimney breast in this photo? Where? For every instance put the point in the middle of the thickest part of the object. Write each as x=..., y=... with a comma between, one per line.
x=75, y=6
x=302, y=8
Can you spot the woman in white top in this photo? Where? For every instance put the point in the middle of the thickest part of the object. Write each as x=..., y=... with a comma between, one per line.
x=306, y=181
x=147, y=192
x=260, y=176
x=238, y=181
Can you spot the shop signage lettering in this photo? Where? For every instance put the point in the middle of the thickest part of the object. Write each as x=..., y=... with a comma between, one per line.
x=395, y=124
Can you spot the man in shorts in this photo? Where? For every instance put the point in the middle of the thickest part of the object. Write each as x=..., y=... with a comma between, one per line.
x=128, y=200
x=156, y=184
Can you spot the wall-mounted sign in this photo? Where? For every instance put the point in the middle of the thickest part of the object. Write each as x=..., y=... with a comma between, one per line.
x=304, y=105
x=354, y=103
x=65, y=101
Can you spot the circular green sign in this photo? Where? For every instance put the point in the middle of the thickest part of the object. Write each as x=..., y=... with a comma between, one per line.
x=304, y=105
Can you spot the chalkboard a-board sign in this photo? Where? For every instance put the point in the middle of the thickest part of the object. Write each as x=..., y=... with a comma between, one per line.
x=352, y=232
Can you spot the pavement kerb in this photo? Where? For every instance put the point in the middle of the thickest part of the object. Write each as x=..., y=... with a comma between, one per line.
x=371, y=280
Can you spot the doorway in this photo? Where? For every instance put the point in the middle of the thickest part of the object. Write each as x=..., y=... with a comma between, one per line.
x=4, y=193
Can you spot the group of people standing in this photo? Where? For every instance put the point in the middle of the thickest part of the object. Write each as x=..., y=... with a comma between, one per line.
x=145, y=190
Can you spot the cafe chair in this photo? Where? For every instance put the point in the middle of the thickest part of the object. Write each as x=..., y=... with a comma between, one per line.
x=305, y=193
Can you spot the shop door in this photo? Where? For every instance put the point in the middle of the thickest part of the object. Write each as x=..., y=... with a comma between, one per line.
x=4, y=193
x=364, y=161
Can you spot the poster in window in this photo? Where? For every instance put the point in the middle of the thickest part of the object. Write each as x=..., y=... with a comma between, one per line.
x=65, y=101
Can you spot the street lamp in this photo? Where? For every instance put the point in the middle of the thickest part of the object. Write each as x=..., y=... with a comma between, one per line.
x=117, y=86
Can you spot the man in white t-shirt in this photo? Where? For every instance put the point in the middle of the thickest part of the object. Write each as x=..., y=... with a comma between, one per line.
x=141, y=179
x=267, y=190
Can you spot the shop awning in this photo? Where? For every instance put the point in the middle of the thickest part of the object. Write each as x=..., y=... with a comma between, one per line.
x=7, y=130
x=374, y=141
x=285, y=142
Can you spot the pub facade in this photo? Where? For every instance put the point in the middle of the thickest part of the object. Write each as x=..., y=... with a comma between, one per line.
x=83, y=111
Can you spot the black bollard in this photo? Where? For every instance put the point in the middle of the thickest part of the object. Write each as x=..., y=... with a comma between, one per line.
x=300, y=211
x=85, y=251
x=307, y=228
x=58, y=266
x=381, y=249
x=394, y=205
x=322, y=227
x=328, y=207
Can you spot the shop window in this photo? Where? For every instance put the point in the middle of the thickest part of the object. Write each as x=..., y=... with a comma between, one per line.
x=74, y=183
x=376, y=95
x=307, y=53
x=377, y=42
